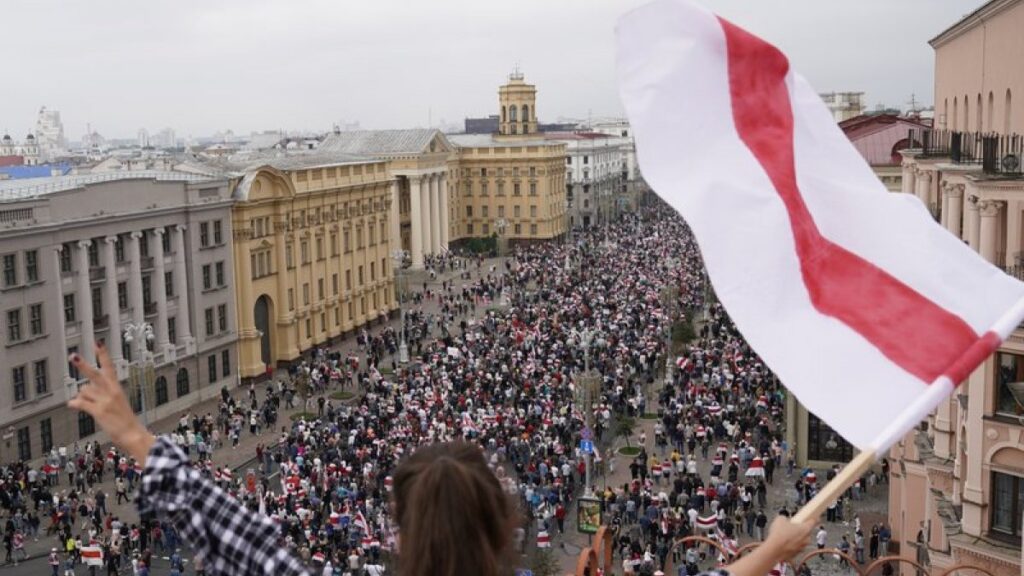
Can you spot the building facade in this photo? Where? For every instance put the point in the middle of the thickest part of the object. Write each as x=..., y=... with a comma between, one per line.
x=880, y=139
x=312, y=252
x=957, y=492
x=24, y=153
x=83, y=257
x=419, y=163
x=844, y=105
x=511, y=183
x=596, y=174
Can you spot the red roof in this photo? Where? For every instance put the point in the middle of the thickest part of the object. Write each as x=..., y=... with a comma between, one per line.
x=12, y=160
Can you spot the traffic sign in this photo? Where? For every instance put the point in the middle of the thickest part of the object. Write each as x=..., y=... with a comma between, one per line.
x=587, y=446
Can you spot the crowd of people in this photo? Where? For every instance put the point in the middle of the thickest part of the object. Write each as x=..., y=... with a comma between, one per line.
x=499, y=362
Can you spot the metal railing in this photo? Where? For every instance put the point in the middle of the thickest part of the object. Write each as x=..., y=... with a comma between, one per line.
x=17, y=189
x=997, y=154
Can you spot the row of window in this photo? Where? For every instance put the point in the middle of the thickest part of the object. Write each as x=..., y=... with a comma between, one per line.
x=96, y=294
x=30, y=263
x=221, y=325
x=16, y=332
x=40, y=380
x=351, y=313
x=334, y=283
x=205, y=239
x=338, y=171
x=499, y=172
x=516, y=211
x=485, y=189
x=45, y=439
x=93, y=250
x=485, y=229
x=213, y=276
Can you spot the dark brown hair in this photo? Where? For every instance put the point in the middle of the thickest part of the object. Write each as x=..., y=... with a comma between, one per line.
x=453, y=516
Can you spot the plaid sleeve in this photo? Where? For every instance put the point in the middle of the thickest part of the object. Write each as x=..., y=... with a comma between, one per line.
x=231, y=538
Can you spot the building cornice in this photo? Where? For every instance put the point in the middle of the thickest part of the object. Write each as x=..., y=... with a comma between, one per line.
x=971, y=21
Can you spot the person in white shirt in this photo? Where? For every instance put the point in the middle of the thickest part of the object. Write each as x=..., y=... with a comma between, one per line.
x=821, y=537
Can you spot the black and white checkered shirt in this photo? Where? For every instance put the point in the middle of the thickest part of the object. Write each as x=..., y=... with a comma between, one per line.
x=231, y=538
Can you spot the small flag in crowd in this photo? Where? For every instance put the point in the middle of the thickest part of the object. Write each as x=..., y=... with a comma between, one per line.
x=92, y=555
x=865, y=307
x=707, y=522
x=543, y=539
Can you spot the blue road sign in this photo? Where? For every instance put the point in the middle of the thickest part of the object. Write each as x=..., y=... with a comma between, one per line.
x=587, y=446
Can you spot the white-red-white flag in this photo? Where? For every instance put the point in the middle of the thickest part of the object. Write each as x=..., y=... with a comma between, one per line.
x=866, y=308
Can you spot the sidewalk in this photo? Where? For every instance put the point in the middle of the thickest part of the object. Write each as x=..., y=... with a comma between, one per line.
x=244, y=454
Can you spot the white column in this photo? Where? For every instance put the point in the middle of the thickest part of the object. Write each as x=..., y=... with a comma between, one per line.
x=135, y=279
x=416, y=219
x=181, y=285
x=160, y=286
x=955, y=209
x=88, y=347
x=908, y=184
x=62, y=332
x=395, y=223
x=924, y=180
x=435, y=213
x=973, y=223
x=429, y=211
x=445, y=231
x=1013, y=227
x=989, y=227
x=113, y=309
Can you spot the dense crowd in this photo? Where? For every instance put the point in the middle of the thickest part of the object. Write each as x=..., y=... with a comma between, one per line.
x=500, y=363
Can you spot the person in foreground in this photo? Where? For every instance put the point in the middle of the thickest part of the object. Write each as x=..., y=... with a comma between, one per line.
x=453, y=515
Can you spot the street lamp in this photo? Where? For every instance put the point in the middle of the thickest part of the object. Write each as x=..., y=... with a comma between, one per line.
x=499, y=226
x=587, y=383
x=142, y=365
x=399, y=257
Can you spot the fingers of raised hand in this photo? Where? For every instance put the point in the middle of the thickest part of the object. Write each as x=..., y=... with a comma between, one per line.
x=91, y=372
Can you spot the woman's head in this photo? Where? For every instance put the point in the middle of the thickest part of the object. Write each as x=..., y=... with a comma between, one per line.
x=453, y=515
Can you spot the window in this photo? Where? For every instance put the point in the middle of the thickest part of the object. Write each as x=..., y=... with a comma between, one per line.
x=373, y=235
x=483, y=188
x=172, y=331
x=147, y=282
x=288, y=256
x=304, y=251
x=161, y=391
x=351, y=310
x=501, y=211
x=533, y=211
x=225, y=363
x=516, y=190
x=348, y=280
x=119, y=249
x=18, y=383
x=65, y=258
x=334, y=283
x=24, y=444
x=319, y=248
x=323, y=321
x=97, y=303
x=824, y=444
x=46, y=434
x=211, y=367
x=483, y=172
x=586, y=159
x=469, y=211
x=86, y=425
x=72, y=370
x=94, y=254
x=533, y=229
x=501, y=188
x=10, y=270
x=337, y=316
x=122, y=295
x=222, y=317
x=309, y=327
x=291, y=299
x=360, y=275
x=14, y=325
x=204, y=234
x=182, y=382
x=219, y=268
x=208, y=313
x=143, y=244
x=373, y=271
x=169, y=284
x=469, y=228
x=346, y=242
x=320, y=288
x=31, y=266
x=35, y=319
x=516, y=211
x=305, y=293
x=42, y=377
x=165, y=242
x=1007, y=504
x=485, y=229
x=218, y=234
x=533, y=188
x=207, y=277
x=517, y=229
x=484, y=212
x=533, y=171
x=1011, y=369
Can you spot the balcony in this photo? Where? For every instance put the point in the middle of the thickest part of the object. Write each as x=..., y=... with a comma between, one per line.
x=146, y=262
x=997, y=155
x=97, y=273
x=149, y=308
x=100, y=322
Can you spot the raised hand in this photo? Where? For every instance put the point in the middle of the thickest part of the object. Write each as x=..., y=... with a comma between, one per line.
x=105, y=400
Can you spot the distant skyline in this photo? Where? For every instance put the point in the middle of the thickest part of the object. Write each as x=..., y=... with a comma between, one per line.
x=255, y=65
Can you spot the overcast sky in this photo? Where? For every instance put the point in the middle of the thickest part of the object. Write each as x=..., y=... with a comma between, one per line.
x=205, y=66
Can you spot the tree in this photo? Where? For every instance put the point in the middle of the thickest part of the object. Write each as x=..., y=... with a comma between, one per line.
x=544, y=563
x=624, y=428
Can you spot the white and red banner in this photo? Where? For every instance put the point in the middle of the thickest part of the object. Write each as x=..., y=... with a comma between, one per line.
x=866, y=308
x=92, y=555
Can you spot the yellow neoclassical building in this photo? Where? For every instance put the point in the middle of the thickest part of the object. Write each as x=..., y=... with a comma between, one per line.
x=514, y=178
x=311, y=254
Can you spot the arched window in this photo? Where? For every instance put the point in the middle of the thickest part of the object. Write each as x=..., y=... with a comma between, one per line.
x=991, y=124
x=182, y=382
x=161, y=391
x=956, y=114
x=1006, y=113
x=977, y=124
x=967, y=114
x=945, y=113
x=526, y=113
x=503, y=114
x=512, y=114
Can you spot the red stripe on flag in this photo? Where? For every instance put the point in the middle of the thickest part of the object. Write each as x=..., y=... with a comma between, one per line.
x=908, y=328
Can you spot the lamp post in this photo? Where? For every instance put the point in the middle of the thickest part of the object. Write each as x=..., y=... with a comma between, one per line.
x=140, y=334
x=399, y=257
x=587, y=382
x=499, y=226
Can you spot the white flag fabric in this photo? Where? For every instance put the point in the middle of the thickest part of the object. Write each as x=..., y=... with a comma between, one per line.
x=867, y=309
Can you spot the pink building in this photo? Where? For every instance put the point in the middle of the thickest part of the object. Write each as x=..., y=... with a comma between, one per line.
x=957, y=494
x=879, y=139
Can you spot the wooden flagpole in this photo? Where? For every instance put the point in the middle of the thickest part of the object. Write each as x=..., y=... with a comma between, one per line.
x=835, y=488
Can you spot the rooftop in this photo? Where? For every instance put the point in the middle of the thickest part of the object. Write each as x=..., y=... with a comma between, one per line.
x=16, y=190
x=488, y=141
x=379, y=142
x=242, y=162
